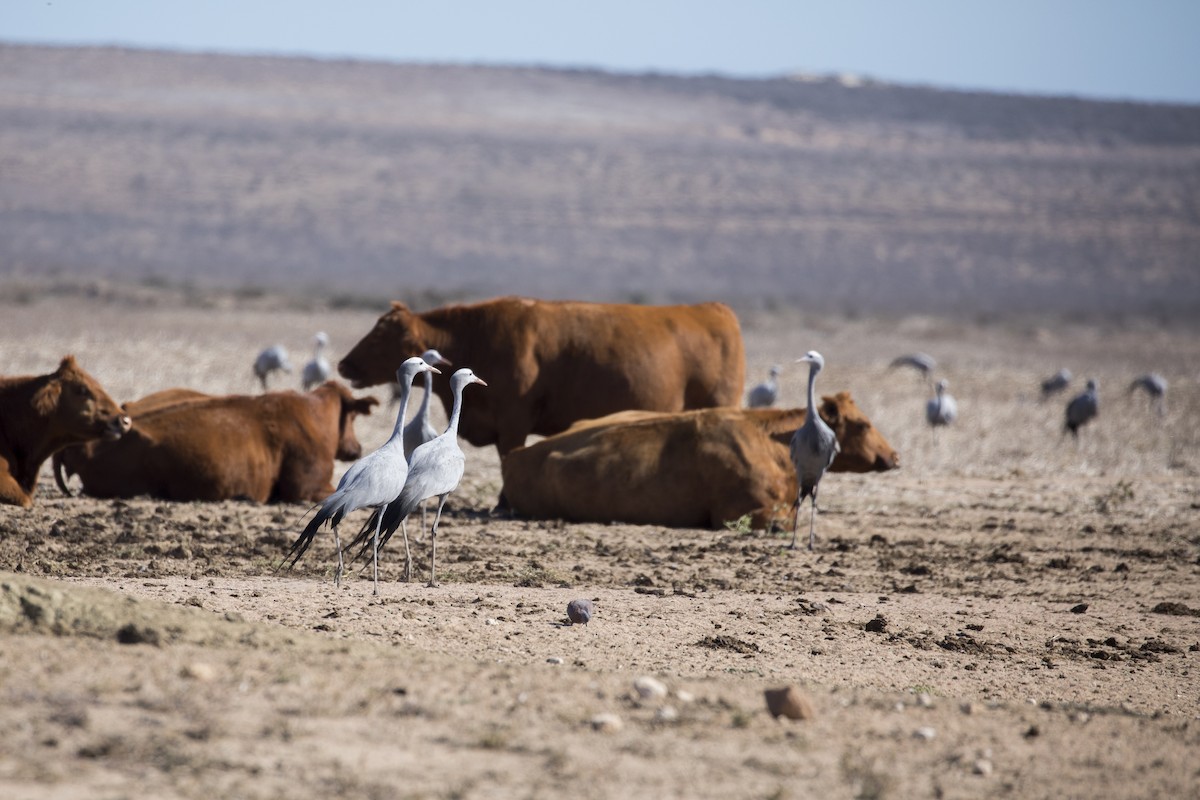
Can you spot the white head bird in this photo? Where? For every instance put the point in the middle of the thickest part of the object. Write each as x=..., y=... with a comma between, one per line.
x=814, y=446
x=318, y=369
x=766, y=393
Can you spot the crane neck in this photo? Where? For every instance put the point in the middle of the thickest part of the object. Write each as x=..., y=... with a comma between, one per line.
x=424, y=412
x=456, y=411
x=811, y=412
x=405, y=391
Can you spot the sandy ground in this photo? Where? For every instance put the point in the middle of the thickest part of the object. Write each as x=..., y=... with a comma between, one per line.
x=1010, y=614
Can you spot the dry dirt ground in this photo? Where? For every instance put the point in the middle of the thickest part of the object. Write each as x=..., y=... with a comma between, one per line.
x=1010, y=614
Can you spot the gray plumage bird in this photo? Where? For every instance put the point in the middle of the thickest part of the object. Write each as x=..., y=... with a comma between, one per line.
x=318, y=369
x=921, y=362
x=1056, y=383
x=941, y=409
x=814, y=446
x=434, y=471
x=1155, y=386
x=375, y=480
x=766, y=393
x=419, y=430
x=1082, y=409
x=273, y=359
x=580, y=611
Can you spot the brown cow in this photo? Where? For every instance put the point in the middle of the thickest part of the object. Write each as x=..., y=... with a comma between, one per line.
x=550, y=363
x=166, y=398
x=275, y=447
x=40, y=415
x=692, y=469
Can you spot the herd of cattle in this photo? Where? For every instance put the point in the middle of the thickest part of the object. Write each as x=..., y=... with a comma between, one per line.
x=639, y=406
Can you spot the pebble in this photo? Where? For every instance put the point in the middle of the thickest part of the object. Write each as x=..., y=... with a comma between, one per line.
x=789, y=702
x=580, y=611
x=924, y=734
x=199, y=671
x=924, y=700
x=684, y=696
x=968, y=708
x=606, y=723
x=554, y=660
x=649, y=688
x=982, y=767
x=491, y=621
x=666, y=714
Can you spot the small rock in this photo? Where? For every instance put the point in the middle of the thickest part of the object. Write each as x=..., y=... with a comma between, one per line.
x=554, y=660
x=684, y=696
x=1079, y=609
x=606, y=723
x=491, y=621
x=199, y=671
x=982, y=767
x=924, y=700
x=580, y=611
x=137, y=634
x=789, y=702
x=968, y=708
x=666, y=714
x=877, y=625
x=924, y=734
x=648, y=688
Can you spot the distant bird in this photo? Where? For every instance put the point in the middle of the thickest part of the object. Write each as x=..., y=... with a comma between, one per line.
x=580, y=611
x=814, y=446
x=942, y=409
x=1155, y=386
x=273, y=359
x=766, y=393
x=921, y=362
x=375, y=480
x=318, y=369
x=1082, y=408
x=1056, y=383
x=434, y=471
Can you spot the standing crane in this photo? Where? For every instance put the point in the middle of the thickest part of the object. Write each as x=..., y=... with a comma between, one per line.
x=814, y=446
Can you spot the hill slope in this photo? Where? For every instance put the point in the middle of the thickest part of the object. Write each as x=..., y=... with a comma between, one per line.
x=389, y=180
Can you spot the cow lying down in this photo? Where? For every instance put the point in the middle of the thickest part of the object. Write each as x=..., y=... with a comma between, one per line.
x=40, y=415
x=274, y=447
x=691, y=469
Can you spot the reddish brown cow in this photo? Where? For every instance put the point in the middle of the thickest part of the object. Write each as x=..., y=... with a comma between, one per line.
x=166, y=398
x=40, y=415
x=692, y=469
x=549, y=364
x=275, y=447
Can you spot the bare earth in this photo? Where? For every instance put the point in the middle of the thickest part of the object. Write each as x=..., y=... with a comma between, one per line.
x=1010, y=614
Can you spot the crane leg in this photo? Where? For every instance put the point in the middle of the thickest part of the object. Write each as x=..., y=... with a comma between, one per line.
x=337, y=543
x=812, y=521
x=795, y=523
x=375, y=548
x=407, y=552
x=433, y=542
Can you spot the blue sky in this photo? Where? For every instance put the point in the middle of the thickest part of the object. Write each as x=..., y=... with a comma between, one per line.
x=1121, y=49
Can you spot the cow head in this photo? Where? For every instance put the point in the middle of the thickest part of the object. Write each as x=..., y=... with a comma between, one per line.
x=77, y=407
x=397, y=335
x=863, y=448
x=348, y=447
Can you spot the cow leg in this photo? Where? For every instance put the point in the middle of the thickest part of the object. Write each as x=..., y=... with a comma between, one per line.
x=433, y=541
x=11, y=492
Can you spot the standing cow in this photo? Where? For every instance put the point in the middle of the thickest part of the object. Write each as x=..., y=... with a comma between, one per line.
x=551, y=363
x=40, y=415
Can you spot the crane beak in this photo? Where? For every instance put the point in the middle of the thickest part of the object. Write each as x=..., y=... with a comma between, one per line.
x=431, y=368
x=480, y=381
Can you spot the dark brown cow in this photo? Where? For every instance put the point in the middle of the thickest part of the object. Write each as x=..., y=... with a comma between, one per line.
x=275, y=447
x=692, y=469
x=550, y=364
x=40, y=415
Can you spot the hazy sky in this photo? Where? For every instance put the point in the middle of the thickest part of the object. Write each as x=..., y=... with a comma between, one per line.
x=1137, y=49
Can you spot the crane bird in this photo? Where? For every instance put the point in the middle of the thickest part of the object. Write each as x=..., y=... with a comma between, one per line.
x=419, y=430
x=273, y=359
x=318, y=369
x=1154, y=385
x=434, y=471
x=374, y=480
x=766, y=393
x=921, y=362
x=1082, y=408
x=941, y=409
x=1056, y=382
x=814, y=446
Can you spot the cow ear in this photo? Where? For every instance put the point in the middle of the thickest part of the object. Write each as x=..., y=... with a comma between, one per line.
x=399, y=307
x=46, y=398
x=67, y=365
x=829, y=410
x=363, y=405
